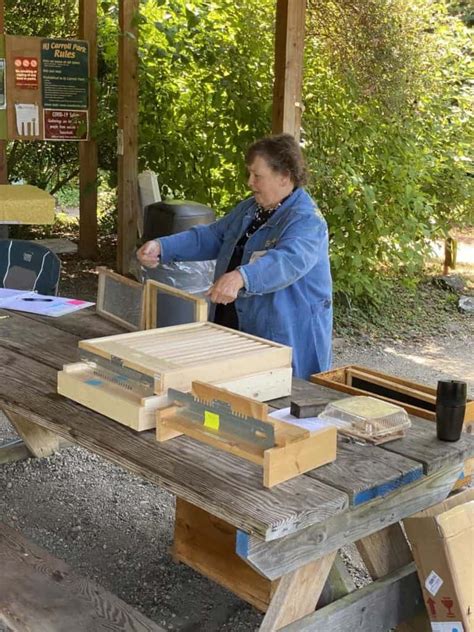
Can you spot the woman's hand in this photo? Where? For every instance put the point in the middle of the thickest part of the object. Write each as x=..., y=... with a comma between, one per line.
x=149, y=253
x=226, y=288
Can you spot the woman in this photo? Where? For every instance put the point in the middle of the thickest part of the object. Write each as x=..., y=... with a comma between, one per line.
x=272, y=273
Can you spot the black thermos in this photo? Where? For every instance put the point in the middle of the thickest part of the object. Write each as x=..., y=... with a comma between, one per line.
x=450, y=407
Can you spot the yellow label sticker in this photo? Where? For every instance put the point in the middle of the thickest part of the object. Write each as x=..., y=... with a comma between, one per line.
x=211, y=420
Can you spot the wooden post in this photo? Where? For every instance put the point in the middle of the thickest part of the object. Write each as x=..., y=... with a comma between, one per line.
x=3, y=143
x=127, y=141
x=88, y=160
x=289, y=48
x=384, y=552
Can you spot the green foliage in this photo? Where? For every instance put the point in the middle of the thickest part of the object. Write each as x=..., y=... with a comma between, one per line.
x=205, y=93
x=42, y=18
x=404, y=313
x=47, y=165
x=386, y=128
x=387, y=124
x=68, y=197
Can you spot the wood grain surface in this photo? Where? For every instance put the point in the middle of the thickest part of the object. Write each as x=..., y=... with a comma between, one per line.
x=40, y=593
x=421, y=444
x=53, y=341
x=274, y=559
x=84, y=323
x=365, y=472
x=381, y=605
x=225, y=485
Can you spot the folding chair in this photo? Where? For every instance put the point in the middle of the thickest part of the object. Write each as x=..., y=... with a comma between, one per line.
x=25, y=265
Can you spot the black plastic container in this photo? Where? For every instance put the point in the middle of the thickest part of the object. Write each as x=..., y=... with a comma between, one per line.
x=174, y=216
x=450, y=408
x=168, y=218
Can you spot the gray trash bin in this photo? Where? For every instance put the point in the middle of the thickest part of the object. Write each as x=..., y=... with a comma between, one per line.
x=167, y=218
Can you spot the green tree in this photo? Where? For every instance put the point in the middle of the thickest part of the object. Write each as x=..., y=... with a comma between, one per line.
x=386, y=128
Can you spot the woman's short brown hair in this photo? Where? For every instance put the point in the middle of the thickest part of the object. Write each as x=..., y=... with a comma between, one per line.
x=283, y=154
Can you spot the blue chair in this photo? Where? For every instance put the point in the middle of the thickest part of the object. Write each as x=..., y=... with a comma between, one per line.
x=25, y=265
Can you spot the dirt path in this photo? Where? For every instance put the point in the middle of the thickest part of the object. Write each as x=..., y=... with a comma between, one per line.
x=450, y=357
x=117, y=529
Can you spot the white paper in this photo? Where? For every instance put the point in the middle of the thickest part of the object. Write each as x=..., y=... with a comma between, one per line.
x=447, y=626
x=27, y=119
x=6, y=293
x=41, y=304
x=433, y=583
x=309, y=423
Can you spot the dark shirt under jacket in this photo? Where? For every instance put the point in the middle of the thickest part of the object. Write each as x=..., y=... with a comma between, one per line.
x=226, y=315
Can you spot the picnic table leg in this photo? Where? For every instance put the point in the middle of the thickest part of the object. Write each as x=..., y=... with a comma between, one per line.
x=297, y=594
x=339, y=583
x=384, y=552
x=39, y=441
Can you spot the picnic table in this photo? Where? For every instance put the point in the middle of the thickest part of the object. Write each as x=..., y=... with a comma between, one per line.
x=24, y=204
x=276, y=548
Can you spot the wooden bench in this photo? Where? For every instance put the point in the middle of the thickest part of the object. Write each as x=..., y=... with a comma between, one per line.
x=39, y=592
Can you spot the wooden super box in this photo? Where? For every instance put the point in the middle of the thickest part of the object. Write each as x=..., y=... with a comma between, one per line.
x=416, y=399
x=126, y=377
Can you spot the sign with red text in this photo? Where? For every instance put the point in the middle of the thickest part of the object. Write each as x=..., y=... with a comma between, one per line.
x=26, y=72
x=45, y=92
x=65, y=124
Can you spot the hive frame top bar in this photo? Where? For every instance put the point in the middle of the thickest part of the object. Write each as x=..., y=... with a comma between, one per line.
x=172, y=354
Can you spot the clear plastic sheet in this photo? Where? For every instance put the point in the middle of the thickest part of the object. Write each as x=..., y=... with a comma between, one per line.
x=194, y=277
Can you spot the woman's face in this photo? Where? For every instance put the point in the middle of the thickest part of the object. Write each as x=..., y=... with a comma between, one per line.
x=267, y=185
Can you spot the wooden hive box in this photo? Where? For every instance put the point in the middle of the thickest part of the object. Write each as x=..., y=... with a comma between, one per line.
x=126, y=377
x=416, y=399
x=241, y=426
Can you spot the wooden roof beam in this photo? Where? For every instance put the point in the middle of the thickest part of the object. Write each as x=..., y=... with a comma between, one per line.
x=3, y=143
x=127, y=140
x=88, y=154
x=289, y=49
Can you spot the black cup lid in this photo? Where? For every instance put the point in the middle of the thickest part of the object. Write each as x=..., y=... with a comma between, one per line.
x=451, y=392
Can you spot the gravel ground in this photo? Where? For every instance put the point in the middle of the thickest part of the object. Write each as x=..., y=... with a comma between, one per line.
x=117, y=529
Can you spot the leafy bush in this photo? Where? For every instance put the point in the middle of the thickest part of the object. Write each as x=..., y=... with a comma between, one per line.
x=386, y=129
x=388, y=109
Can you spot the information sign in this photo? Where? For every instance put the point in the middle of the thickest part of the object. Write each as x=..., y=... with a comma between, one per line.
x=65, y=124
x=65, y=74
x=26, y=72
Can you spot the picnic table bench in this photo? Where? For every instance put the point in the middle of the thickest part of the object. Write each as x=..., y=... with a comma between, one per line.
x=276, y=547
x=40, y=593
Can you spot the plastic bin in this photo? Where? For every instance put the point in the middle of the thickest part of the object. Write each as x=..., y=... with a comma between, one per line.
x=174, y=216
x=168, y=218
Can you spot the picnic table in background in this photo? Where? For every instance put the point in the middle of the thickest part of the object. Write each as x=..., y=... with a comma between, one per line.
x=24, y=204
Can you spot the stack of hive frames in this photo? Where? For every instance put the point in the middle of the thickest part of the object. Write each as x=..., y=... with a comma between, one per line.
x=126, y=377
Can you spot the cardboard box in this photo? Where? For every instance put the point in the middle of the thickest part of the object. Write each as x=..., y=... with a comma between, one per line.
x=442, y=540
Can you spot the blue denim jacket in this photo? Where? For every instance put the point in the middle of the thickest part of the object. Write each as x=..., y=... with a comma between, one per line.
x=285, y=267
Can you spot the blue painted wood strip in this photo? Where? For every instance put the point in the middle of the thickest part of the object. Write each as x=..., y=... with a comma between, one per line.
x=366, y=472
x=388, y=487
x=242, y=544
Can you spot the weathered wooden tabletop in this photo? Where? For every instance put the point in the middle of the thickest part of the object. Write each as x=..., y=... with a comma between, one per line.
x=364, y=489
